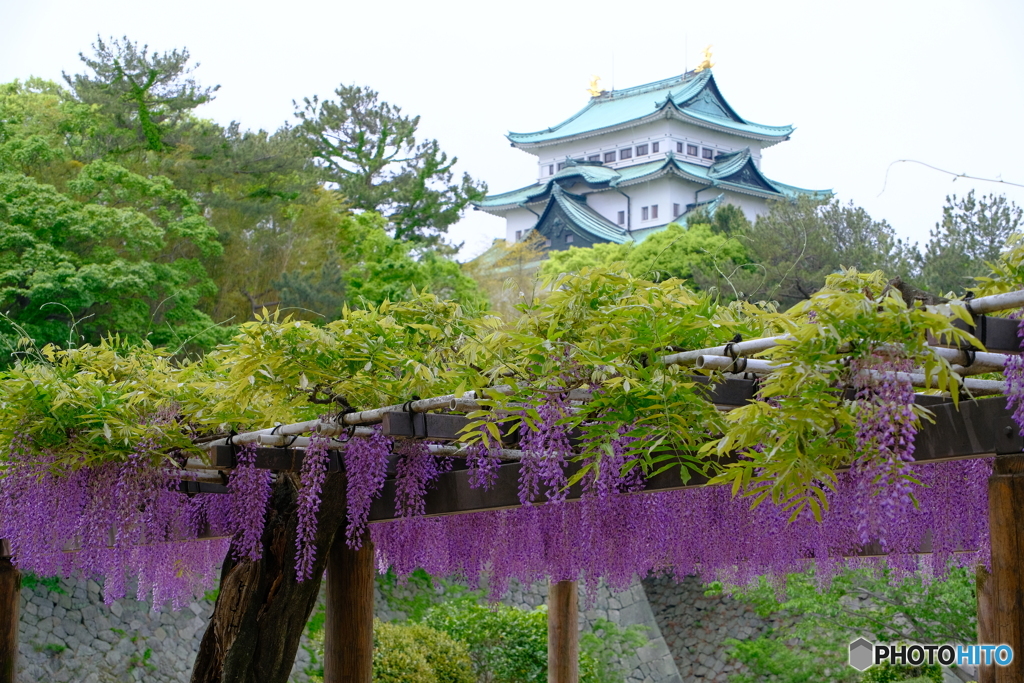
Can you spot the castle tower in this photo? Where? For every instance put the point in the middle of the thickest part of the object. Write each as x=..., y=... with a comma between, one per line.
x=632, y=161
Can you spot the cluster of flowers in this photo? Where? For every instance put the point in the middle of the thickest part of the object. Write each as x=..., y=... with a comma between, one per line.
x=114, y=522
x=1014, y=374
x=314, y=470
x=703, y=531
x=885, y=443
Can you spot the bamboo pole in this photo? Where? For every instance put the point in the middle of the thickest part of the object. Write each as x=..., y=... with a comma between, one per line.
x=348, y=626
x=563, y=633
x=1005, y=510
x=757, y=366
x=995, y=302
x=743, y=348
x=10, y=604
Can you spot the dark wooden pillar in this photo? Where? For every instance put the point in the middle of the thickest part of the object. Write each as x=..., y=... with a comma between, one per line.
x=1006, y=522
x=986, y=620
x=348, y=627
x=563, y=633
x=10, y=604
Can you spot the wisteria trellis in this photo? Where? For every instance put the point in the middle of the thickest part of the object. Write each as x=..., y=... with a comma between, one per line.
x=126, y=517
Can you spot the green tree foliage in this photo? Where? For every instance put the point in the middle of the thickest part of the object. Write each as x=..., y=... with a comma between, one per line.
x=223, y=221
x=383, y=268
x=857, y=603
x=42, y=130
x=119, y=253
x=970, y=235
x=369, y=149
x=143, y=96
x=797, y=244
x=697, y=254
x=727, y=219
x=575, y=259
x=685, y=253
x=507, y=273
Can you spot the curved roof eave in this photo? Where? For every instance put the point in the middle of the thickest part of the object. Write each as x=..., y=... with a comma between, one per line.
x=668, y=111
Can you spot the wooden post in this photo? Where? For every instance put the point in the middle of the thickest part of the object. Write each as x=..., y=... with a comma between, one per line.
x=1005, y=512
x=986, y=620
x=563, y=633
x=348, y=627
x=10, y=603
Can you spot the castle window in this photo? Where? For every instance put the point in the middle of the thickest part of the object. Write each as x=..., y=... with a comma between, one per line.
x=679, y=147
x=645, y=213
x=609, y=157
x=708, y=153
x=626, y=153
x=655, y=146
x=594, y=157
x=675, y=210
x=551, y=169
x=561, y=165
x=547, y=243
x=622, y=217
x=568, y=239
x=519, y=235
x=691, y=150
x=654, y=211
x=641, y=150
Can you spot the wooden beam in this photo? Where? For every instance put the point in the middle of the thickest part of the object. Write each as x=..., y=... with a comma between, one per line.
x=979, y=429
x=563, y=633
x=348, y=627
x=10, y=604
x=1006, y=510
x=986, y=620
x=997, y=334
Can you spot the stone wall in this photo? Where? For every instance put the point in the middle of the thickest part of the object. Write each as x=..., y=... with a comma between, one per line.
x=695, y=627
x=69, y=635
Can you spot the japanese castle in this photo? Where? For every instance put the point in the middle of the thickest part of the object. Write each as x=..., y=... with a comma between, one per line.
x=632, y=161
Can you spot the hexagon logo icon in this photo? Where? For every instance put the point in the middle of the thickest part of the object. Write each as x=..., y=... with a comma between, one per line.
x=860, y=654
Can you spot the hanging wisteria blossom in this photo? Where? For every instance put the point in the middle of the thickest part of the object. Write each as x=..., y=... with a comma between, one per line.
x=885, y=444
x=117, y=522
x=704, y=531
x=314, y=470
x=366, y=466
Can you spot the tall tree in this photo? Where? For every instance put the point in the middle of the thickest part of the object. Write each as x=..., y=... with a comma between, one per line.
x=972, y=232
x=369, y=150
x=144, y=95
x=118, y=254
x=796, y=244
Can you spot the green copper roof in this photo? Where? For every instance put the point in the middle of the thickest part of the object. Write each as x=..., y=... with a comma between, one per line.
x=523, y=195
x=588, y=172
x=734, y=171
x=691, y=97
x=576, y=209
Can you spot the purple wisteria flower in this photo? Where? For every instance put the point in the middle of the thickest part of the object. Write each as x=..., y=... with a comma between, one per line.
x=366, y=466
x=546, y=449
x=250, y=490
x=314, y=471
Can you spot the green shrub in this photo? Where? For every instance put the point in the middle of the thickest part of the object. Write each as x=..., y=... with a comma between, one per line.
x=398, y=657
x=403, y=653
x=447, y=658
x=506, y=645
x=887, y=673
x=510, y=645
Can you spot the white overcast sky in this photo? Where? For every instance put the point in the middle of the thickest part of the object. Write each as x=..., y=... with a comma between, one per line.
x=865, y=83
